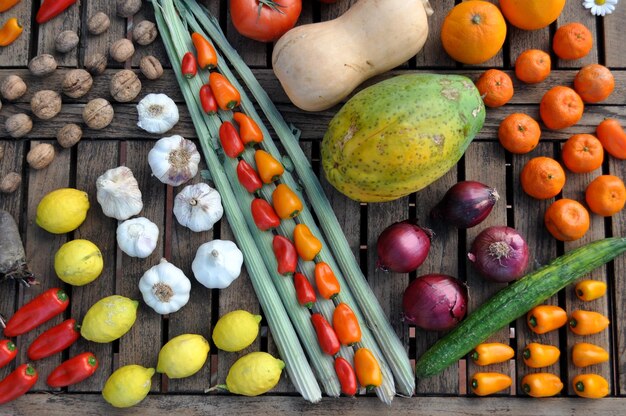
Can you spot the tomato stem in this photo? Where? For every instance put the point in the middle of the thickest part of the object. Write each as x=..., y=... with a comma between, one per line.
x=271, y=4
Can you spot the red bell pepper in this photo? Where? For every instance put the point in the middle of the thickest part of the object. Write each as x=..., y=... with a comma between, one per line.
x=346, y=376
x=54, y=340
x=17, y=383
x=207, y=57
x=263, y=214
x=74, y=370
x=188, y=66
x=325, y=334
x=249, y=131
x=304, y=290
x=248, y=177
x=207, y=100
x=286, y=255
x=8, y=351
x=39, y=310
x=52, y=8
x=230, y=140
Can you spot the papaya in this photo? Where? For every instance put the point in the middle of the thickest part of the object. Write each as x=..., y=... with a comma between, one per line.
x=400, y=135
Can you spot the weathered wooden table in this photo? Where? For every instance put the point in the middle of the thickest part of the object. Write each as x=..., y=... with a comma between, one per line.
x=124, y=143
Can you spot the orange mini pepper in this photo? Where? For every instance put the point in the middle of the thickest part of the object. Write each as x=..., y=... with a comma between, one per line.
x=10, y=31
x=307, y=245
x=541, y=385
x=268, y=167
x=249, y=131
x=225, y=93
x=367, y=369
x=539, y=355
x=491, y=353
x=590, y=386
x=587, y=322
x=207, y=57
x=346, y=325
x=7, y=4
x=326, y=281
x=588, y=290
x=484, y=384
x=546, y=318
x=285, y=202
x=585, y=354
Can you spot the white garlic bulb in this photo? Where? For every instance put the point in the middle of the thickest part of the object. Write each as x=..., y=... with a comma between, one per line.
x=198, y=207
x=217, y=263
x=174, y=160
x=137, y=237
x=118, y=193
x=158, y=113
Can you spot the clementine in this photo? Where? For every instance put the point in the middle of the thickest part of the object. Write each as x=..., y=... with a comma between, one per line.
x=496, y=87
x=531, y=14
x=566, y=219
x=519, y=133
x=594, y=83
x=561, y=107
x=582, y=153
x=606, y=195
x=532, y=66
x=572, y=41
x=542, y=177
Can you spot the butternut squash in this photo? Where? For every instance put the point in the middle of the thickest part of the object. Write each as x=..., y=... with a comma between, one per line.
x=320, y=64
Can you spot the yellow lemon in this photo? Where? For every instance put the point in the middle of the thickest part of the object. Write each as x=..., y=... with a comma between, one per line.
x=63, y=210
x=236, y=330
x=254, y=374
x=128, y=385
x=109, y=319
x=183, y=355
x=78, y=262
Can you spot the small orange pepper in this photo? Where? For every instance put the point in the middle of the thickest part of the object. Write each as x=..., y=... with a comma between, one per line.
x=491, y=353
x=268, y=167
x=590, y=386
x=346, y=325
x=585, y=354
x=207, y=57
x=484, y=384
x=587, y=322
x=326, y=281
x=541, y=385
x=367, y=369
x=546, y=318
x=10, y=31
x=539, y=355
x=285, y=202
x=225, y=93
x=307, y=245
x=7, y=4
x=588, y=290
x=249, y=131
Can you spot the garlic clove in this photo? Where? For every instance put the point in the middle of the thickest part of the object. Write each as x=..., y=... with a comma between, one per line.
x=198, y=207
x=158, y=113
x=118, y=193
x=137, y=237
x=174, y=160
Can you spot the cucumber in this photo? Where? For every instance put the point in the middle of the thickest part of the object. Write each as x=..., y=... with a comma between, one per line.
x=514, y=301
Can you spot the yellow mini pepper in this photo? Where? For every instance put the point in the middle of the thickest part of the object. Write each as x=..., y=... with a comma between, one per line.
x=367, y=369
x=587, y=322
x=7, y=4
x=491, y=353
x=285, y=202
x=539, y=355
x=10, y=31
x=268, y=167
x=484, y=384
x=588, y=290
x=590, y=386
x=541, y=385
x=307, y=245
x=546, y=318
x=585, y=354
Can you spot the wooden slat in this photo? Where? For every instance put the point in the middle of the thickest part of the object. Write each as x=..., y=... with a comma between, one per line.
x=18, y=52
x=614, y=46
x=68, y=20
x=574, y=12
x=433, y=53
x=100, y=43
x=253, y=53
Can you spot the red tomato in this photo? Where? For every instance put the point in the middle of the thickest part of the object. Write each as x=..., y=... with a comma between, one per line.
x=264, y=20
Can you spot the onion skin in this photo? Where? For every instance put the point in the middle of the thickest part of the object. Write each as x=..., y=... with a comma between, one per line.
x=435, y=302
x=499, y=254
x=466, y=204
x=402, y=247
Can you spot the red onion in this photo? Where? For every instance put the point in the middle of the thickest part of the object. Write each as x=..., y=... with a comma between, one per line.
x=402, y=247
x=466, y=204
x=435, y=302
x=499, y=254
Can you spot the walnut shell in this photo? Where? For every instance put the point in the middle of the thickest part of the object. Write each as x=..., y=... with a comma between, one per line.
x=125, y=86
x=128, y=8
x=13, y=87
x=145, y=32
x=150, y=67
x=96, y=63
x=66, y=41
x=98, y=23
x=18, y=125
x=40, y=156
x=10, y=182
x=1, y=151
x=98, y=113
x=45, y=104
x=121, y=50
x=77, y=83
x=69, y=135
x=42, y=65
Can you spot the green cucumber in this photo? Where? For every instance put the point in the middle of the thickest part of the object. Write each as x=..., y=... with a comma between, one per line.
x=514, y=301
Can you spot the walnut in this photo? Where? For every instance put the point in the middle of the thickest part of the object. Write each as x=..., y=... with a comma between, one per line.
x=145, y=32
x=98, y=113
x=125, y=86
x=1, y=151
x=98, y=23
x=96, y=63
x=128, y=8
x=121, y=50
x=10, y=182
x=40, y=156
x=42, y=65
x=69, y=135
x=66, y=41
x=45, y=104
x=150, y=67
x=18, y=125
x=13, y=87
x=77, y=83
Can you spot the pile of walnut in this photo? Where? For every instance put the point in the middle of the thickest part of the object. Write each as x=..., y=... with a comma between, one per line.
x=98, y=113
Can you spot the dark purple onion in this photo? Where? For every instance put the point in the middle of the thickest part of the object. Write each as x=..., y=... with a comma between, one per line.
x=435, y=302
x=402, y=247
x=466, y=204
x=499, y=254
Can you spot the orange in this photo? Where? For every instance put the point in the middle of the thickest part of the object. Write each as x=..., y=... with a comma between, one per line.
x=496, y=87
x=532, y=66
x=542, y=177
x=606, y=195
x=594, y=83
x=561, y=107
x=566, y=219
x=531, y=14
x=519, y=133
x=582, y=153
x=572, y=41
x=613, y=137
x=473, y=31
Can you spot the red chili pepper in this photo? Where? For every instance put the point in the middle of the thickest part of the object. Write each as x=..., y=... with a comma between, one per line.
x=230, y=140
x=346, y=325
x=8, y=351
x=189, y=67
x=286, y=255
x=54, y=340
x=207, y=100
x=73, y=371
x=17, y=383
x=207, y=57
x=264, y=215
x=52, y=8
x=39, y=310
x=325, y=334
x=346, y=376
x=304, y=290
x=326, y=281
x=248, y=177
x=225, y=93
x=249, y=131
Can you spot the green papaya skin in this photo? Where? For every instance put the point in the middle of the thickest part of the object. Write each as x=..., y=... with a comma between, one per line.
x=400, y=135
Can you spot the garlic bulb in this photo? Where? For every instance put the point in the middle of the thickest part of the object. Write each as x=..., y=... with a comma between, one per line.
x=137, y=237
x=118, y=193
x=158, y=113
x=198, y=207
x=174, y=160
x=165, y=288
x=217, y=264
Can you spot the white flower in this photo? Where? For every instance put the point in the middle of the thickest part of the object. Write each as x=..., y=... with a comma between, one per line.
x=600, y=7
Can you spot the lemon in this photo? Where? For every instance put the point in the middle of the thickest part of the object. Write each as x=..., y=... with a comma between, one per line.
x=78, y=262
x=109, y=318
x=183, y=355
x=63, y=210
x=254, y=374
x=128, y=385
x=236, y=330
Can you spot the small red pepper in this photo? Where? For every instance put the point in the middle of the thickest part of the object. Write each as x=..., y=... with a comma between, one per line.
x=286, y=255
x=263, y=214
x=249, y=131
x=189, y=67
x=225, y=93
x=54, y=340
x=52, y=8
x=207, y=57
x=230, y=140
x=346, y=376
x=39, y=310
x=8, y=351
x=73, y=371
x=325, y=334
x=248, y=177
x=326, y=281
x=17, y=383
x=304, y=290
x=207, y=100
